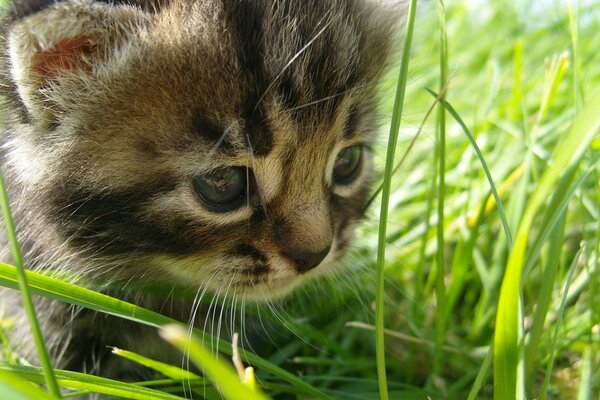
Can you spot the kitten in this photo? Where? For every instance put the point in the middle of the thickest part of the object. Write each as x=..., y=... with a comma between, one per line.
x=220, y=144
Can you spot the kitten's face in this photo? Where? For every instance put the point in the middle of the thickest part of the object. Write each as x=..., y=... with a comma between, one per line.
x=217, y=144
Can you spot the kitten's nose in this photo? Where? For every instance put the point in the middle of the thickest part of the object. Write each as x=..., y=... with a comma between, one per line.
x=305, y=259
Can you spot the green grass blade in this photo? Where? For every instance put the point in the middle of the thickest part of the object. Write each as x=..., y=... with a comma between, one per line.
x=167, y=370
x=506, y=340
x=8, y=354
x=165, y=385
x=587, y=368
x=553, y=228
x=488, y=175
x=60, y=290
x=14, y=387
x=223, y=376
x=36, y=332
x=544, y=299
x=73, y=294
x=561, y=312
x=440, y=287
x=516, y=103
x=556, y=72
x=91, y=383
x=573, y=12
x=462, y=262
x=481, y=376
x=565, y=189
x=385, y=201
x=171, y=371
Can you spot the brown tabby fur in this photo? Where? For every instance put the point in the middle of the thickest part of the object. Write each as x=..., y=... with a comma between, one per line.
x=113, y=108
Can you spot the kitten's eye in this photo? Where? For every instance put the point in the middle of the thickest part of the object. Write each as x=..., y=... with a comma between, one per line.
x=223, y=189
x=347, y=165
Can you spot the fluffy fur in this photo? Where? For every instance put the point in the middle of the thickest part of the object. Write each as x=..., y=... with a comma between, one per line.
x=112, y=110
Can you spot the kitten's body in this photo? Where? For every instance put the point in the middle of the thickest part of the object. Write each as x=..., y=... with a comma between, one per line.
x=116, y=116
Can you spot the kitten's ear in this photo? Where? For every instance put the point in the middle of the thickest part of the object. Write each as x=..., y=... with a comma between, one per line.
x=56, y=49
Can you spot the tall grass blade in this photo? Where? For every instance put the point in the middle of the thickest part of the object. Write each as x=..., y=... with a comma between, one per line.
x=544, y=299
x=36, y=332
x=557, y=326
x=517, y=89
x=573, y=12
x=385, y=201
x=587, y=368
x=488, y=175
x=556, y=72
x=440, y=288
x=557, y=208
x=552, y=227
x=481, y=376
x=506, y=340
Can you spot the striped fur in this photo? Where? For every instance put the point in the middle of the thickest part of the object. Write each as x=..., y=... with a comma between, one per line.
x=112, y=109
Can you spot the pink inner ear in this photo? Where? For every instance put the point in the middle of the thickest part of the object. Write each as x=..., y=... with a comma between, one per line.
x=67, y=54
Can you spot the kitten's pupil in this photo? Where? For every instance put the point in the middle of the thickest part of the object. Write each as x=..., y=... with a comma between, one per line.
x=222, y=189
x=347, y=165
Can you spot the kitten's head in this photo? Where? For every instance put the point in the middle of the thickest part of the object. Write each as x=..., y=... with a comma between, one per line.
x=219, y=143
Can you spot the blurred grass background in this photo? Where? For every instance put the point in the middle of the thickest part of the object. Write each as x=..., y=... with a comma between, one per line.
x=520, y=75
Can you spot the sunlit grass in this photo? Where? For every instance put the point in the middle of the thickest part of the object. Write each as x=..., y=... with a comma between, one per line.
x=516, y=311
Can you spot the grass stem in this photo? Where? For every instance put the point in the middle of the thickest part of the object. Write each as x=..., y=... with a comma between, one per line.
x=25, y=293
x=440, y=289
x=385, y=202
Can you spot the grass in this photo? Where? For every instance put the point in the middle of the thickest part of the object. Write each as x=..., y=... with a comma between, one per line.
x=386, y=188
x=29, y=307
x=492, y=266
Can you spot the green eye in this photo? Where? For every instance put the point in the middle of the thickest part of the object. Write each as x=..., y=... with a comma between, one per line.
x=222, y=189
x=347, y=165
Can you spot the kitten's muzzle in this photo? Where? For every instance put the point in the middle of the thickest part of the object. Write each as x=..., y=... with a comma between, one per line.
x=304, y=259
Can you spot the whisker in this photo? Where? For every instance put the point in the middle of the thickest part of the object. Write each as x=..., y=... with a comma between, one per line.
x=223, y=306
x=321, y=100
x=191, y=322
x=209, y=156
x=279, y=315
x=186, y=354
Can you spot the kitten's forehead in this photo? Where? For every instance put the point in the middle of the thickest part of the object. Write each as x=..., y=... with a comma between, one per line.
x=247, y=63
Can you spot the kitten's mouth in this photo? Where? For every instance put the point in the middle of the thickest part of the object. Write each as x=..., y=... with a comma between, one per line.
x=266, y=290
x=273, y=277
x=285, y=274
